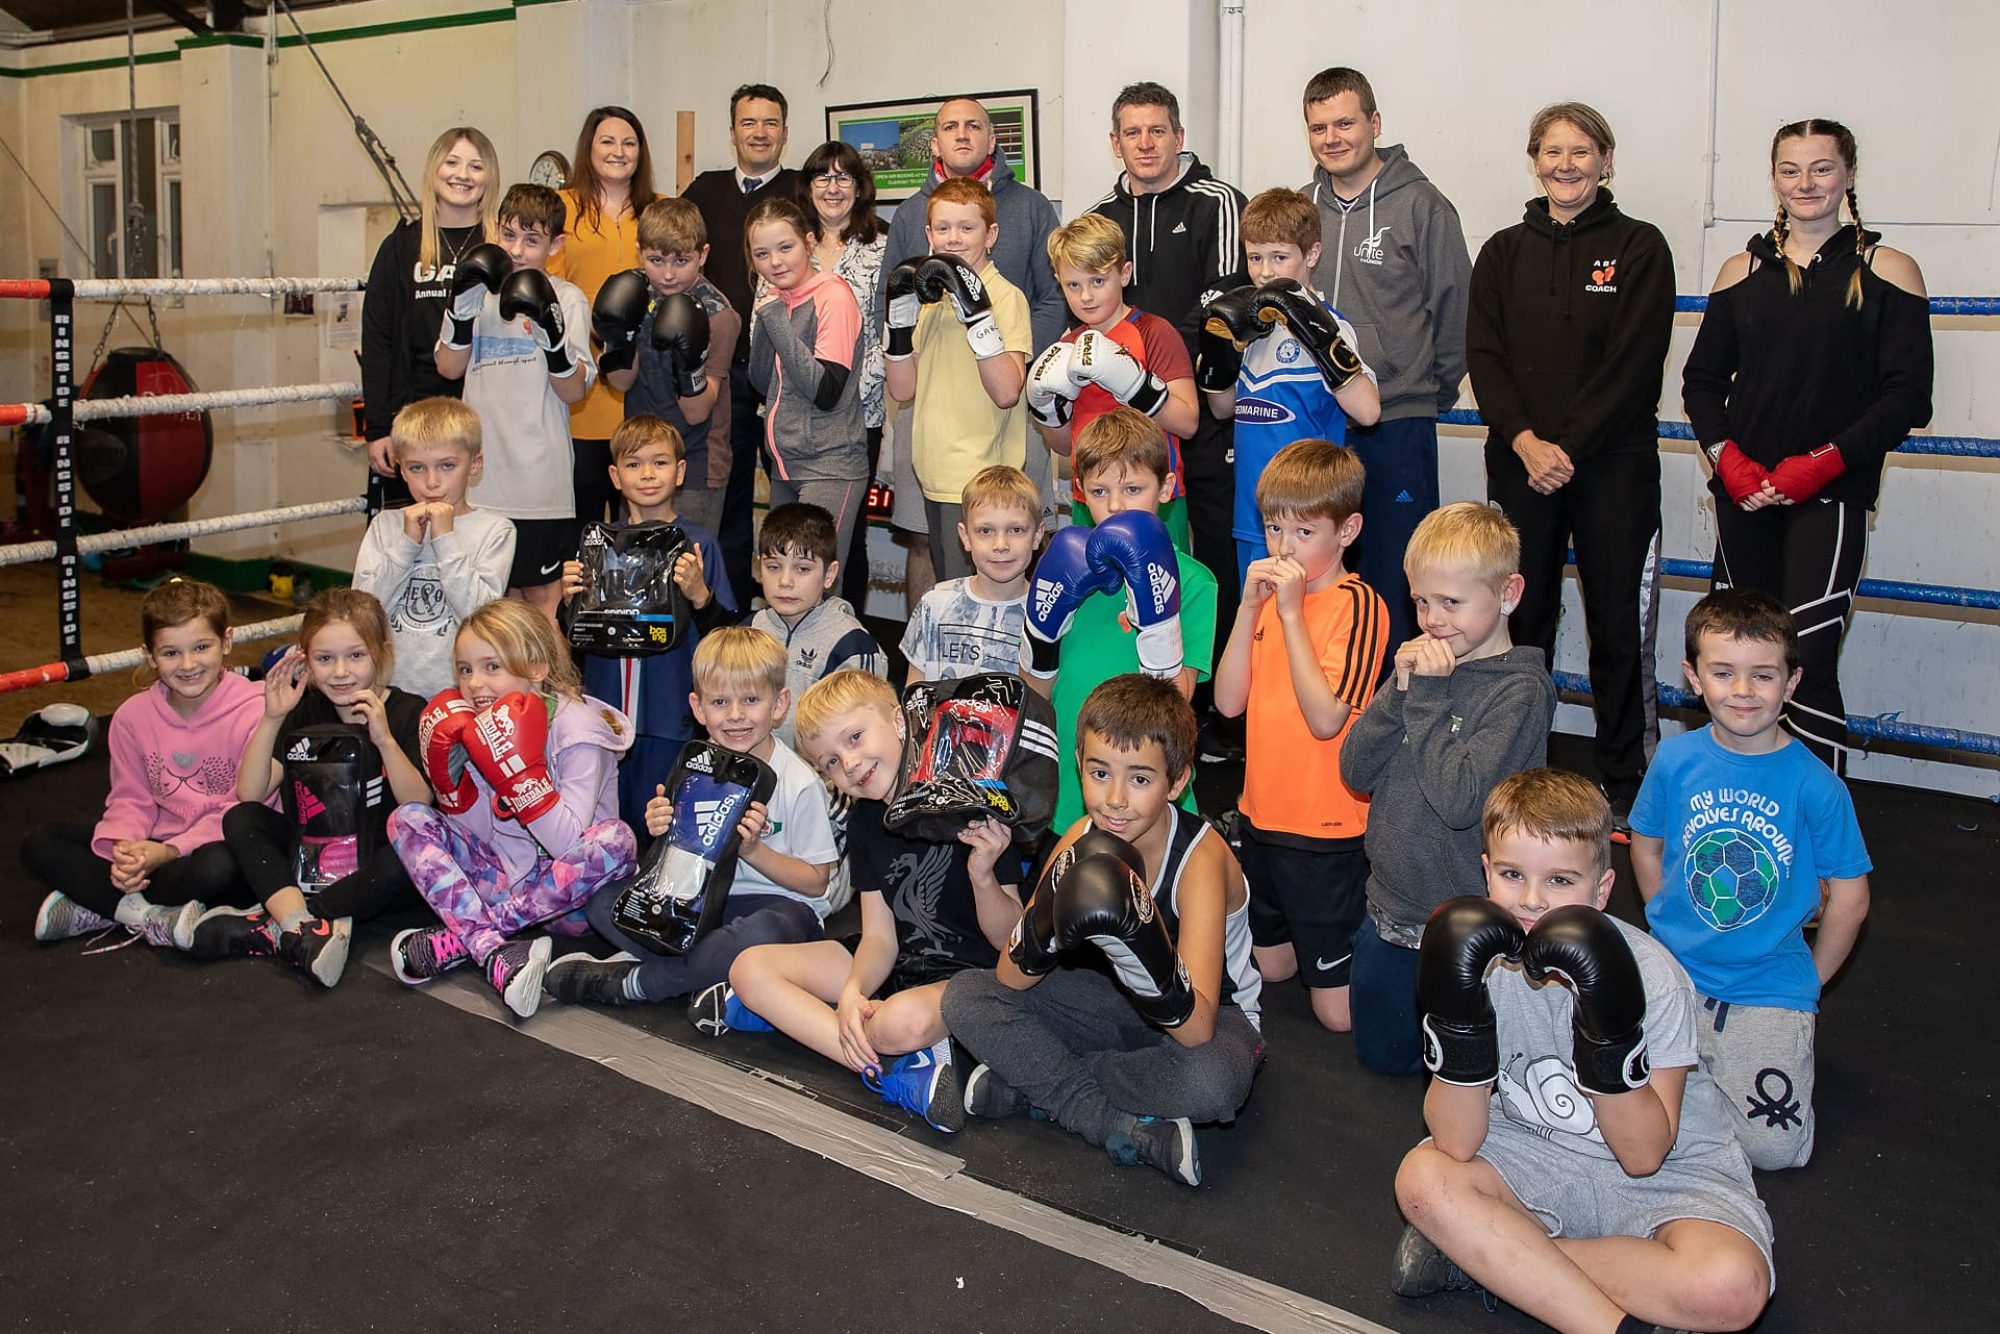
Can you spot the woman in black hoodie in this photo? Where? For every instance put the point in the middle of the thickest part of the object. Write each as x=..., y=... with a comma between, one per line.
x=1813, y=362
x=407, y=287
x=1566, y=335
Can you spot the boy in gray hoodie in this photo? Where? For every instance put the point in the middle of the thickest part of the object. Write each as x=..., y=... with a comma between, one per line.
x=1465, y=709
x=1393, y=260
x=798, y=561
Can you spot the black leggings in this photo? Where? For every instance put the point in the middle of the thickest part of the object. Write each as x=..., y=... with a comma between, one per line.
x=590, y=474
x=59, y=855
x=1809, y=557
x=854, y=561
x=264, y=844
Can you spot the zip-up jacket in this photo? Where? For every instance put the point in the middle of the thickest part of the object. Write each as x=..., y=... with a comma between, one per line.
x=1394, y=263
x=1185, y=243
x=1781, y=374
x=1568, y=328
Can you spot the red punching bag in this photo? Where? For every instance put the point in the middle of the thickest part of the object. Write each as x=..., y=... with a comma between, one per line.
x=141, y=469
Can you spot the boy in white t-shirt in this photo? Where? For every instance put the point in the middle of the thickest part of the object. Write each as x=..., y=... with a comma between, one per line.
x=965, y=626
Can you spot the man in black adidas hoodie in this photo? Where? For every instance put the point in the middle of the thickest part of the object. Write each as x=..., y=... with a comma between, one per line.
x=1180, y=226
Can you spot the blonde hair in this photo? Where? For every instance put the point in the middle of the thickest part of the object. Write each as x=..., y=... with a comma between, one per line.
x=436, y=421
x=1550, y=805
x=427, y=208
x=363, y=612
x=736, y=654
x=525, y=639
x=1281, y=217
x=840, y=692
x=1121, y=436
x=1001, y=487
x=1311, y=479
x=1469, y=536
x=1092, y=243
x=672, y=227
x=636, y=432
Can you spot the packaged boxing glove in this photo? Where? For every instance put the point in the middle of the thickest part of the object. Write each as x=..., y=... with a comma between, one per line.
x=630, y=606
x=329, y=769
x=978, y=747
x=682, y=885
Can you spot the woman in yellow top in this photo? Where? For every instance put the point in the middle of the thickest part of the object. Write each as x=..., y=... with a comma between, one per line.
x=609, y=187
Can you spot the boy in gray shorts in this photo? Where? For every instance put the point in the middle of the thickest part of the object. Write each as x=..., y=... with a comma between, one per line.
x=1582, y=1164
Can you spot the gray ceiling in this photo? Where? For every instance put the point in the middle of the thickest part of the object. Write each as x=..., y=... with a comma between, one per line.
x=98, y=17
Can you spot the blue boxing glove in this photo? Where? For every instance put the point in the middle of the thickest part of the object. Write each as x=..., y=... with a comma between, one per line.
x=1133, y=546
x=1064, y=577
x=682, y=885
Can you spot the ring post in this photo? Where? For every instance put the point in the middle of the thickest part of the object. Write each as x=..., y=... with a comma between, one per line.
x=62, y=391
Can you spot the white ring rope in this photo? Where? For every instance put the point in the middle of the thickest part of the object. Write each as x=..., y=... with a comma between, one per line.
x=89, y=289
x=24, y=553
x=127, y=659
x=148, y=405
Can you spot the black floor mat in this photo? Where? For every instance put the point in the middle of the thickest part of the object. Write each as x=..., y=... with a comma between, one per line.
x=221, y=1144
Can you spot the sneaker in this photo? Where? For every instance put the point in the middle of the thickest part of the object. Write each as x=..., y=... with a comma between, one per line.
x=516, y=970
x=63, y=918
x=233, y=933
x=986, y=1094
x=422, y=953
x=924, y=1082
x=1621, y=817
x=578, y=979
x=1420, y=1269
x=1167, y=1144
x=170, y=928
x=715, y=1011
x=319, y=948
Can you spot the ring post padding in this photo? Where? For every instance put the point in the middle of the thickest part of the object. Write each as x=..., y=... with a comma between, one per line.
x=62, y=392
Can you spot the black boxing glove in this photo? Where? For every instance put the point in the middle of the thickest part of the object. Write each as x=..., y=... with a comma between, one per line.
x=615, y=318
x=1228, y=328
x=680, y=334
x=943, y=276
x=528, y=294
x=904, y=307
x=1103, y=899
x=1461, y=941
x=478, y=271
x=1315, y=328
x=1032, y=945
x=1608, y=1021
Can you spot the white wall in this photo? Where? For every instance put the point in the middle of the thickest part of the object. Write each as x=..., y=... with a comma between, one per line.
x=1457, y=81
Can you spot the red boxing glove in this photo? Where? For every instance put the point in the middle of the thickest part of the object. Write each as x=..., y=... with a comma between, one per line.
x=1801, y=476
x=508, y=744
x=1742, y=476
x=441, y=730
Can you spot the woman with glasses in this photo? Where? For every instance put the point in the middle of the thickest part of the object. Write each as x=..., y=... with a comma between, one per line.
x=837, y=193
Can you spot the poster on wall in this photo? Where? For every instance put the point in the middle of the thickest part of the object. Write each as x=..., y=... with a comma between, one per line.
x=894, y=138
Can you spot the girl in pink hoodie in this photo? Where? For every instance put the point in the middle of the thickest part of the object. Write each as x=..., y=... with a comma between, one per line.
x=156, y=858
x=525, y=766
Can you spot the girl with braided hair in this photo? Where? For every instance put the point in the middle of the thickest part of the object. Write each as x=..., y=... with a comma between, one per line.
x=1813, y=362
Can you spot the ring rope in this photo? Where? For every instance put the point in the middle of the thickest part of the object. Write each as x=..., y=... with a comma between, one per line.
x=125, y=659
x=1876, y=727
x=1886, y=590
x=1953, y=446
x=90, y=289
x=147, y=405
x=24, y=553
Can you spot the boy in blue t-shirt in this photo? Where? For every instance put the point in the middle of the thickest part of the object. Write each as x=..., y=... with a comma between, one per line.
x=647, y=466
x=1751, y=824
x=1279, y=359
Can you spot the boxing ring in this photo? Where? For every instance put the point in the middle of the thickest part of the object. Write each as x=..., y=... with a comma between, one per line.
x=62, y=412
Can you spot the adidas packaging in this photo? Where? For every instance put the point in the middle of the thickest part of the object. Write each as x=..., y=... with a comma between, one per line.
x=630, y=606
x=329, y=771
x=977, y=747
x=682, y=885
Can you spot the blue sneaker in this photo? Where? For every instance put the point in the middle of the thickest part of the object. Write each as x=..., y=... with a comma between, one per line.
x=924, y=1082
x=715, y=1011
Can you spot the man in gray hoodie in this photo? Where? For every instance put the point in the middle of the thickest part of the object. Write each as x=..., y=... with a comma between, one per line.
x=963, y=144
x=1393, y=261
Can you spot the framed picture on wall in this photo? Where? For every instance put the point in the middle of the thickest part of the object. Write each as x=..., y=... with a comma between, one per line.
x=894, y=138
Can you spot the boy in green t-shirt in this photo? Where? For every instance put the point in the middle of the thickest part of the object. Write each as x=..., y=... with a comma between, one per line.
x=1120, y=459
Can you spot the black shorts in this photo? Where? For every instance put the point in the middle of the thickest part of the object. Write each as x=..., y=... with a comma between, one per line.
x=540, y=548
x=909, y=972
x=1311, y=899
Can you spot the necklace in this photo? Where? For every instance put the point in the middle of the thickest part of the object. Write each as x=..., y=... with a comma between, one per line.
x=471, y=231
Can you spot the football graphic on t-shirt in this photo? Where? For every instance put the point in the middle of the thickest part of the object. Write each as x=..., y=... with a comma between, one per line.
x=1732, y=878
